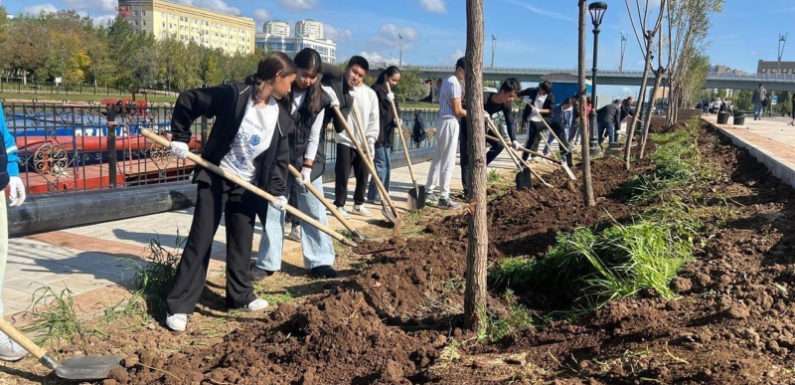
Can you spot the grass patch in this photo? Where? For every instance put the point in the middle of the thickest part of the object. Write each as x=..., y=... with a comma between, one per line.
x=518, y=319
x=54, y=317
x=154, y=279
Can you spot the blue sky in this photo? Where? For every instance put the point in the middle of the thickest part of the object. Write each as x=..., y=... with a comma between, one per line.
x=537, y=33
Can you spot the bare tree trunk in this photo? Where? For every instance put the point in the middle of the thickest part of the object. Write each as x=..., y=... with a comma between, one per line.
x=588, y=195
x=647, y=124
x=477, y=252
x=641, y=97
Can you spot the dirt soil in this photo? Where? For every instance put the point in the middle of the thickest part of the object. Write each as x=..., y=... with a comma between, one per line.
x=397, y=320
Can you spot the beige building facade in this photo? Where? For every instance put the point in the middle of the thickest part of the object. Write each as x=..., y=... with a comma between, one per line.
x=163, y=19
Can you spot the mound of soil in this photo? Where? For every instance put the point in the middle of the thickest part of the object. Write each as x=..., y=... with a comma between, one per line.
x=389, y=323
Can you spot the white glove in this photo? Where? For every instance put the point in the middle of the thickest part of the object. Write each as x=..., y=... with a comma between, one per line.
x=16, y=191
x=516, y=145
x=371, y=147
x=180, y=149
x=335, y=102
x=280, y=203
x=390, y=96
x=306, y=175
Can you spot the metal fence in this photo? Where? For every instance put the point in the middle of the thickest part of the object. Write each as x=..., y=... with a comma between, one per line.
x=65, y=148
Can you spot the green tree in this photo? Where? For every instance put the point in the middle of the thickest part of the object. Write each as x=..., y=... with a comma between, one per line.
x=411, y=87
x=210, y=70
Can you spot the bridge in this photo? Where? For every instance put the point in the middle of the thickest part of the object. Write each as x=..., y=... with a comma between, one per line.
x=778, y=82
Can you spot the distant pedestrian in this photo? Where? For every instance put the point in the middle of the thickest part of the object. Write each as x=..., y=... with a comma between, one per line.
x=450, y=111
x=539, y=101
x=388, y=122
x=9, y=177
x=562, y=121
x=792, y=110
x=759, y=100
x=607, y=119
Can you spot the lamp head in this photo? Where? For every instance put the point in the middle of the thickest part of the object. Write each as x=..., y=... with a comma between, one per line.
x=597, y=10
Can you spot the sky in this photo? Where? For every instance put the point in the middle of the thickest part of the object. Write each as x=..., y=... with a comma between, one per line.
x=529, y=33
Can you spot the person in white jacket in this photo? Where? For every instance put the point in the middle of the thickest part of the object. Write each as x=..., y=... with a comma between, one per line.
x=359, y=105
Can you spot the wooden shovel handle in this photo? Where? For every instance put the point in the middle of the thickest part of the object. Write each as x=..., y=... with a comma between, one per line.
x=513, y=154
x=20, y=338
x=402, y=138
x=250, y=187
x=319, y=195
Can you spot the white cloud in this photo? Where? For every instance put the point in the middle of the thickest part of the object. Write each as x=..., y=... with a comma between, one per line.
x=213, y=5
x=337, y=35
x=38, y=9
x=99, y=6
x=261, y=15
x=104, y=20
x=298, y=5
x=377, y=59
x=435, y=6
x=391, y=34
x=541, y=11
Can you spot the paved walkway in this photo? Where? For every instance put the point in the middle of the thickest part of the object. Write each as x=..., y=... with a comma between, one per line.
x=771, y=141
x=98, y=263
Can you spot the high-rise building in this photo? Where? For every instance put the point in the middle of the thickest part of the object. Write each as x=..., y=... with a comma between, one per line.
x=277, y=28
x=309, y=29
x=164, y=19
x=308, y=34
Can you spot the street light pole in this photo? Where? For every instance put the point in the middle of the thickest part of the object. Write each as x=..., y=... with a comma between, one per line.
x=493, y=48
x=400, y=43
x=623, y=50
x=597, y=10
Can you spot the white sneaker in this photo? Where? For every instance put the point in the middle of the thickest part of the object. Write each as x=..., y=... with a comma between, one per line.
x=177, y=322
x=257, y=305
x=361, y=210
x=344, y=213
x=10, y=350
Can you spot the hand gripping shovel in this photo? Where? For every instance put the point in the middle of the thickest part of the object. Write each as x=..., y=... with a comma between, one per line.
x=333, y=209
x=388, y=208
x=250, y=187
x=416, y=194
x=523, y=178
x=88, y=368
x=560, y=162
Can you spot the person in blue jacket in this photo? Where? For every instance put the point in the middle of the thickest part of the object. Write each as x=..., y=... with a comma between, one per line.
x=9, y=177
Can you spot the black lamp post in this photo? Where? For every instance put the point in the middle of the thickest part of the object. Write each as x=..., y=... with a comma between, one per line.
x=597, y=10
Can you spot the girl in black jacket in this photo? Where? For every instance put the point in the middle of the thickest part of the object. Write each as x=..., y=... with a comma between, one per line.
x=249, y=138
x=388, y=123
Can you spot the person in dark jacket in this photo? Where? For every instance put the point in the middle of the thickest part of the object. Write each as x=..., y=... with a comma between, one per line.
x=609, y=118
x=249, y=139
x=388, y=123
x=309, y=105
x=501, y=101
x=539, y=102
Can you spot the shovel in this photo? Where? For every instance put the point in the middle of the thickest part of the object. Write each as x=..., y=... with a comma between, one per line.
x=416, y=194
x=560, y=162
x=523, y=180
x=88, y=368
x=252, y=188
x=551, y=131
x=333, y=209
x=388, y=208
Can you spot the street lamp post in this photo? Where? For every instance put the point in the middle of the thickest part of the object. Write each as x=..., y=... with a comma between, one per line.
x=597, y=10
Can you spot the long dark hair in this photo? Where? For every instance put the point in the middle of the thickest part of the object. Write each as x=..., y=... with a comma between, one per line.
x=386, y=74
x=309, y=60
x=275, y=64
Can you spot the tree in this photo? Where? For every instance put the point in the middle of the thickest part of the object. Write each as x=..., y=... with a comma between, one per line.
x=411, y=87
x=475, y=296
x=588, y=195
x=210, y=70
x=658, y=76
x=646, y=46
x=3, y=24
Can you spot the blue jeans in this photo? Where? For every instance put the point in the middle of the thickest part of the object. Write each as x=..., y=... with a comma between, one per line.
x=610, y=127
x=383, y=167
x=317, y=247
x=758, y=111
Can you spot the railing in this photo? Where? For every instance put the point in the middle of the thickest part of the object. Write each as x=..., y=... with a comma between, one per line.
x=50, y=88
x=75, y=148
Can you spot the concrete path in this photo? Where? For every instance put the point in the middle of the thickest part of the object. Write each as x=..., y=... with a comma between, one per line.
x=98, y=263
x=771, y=141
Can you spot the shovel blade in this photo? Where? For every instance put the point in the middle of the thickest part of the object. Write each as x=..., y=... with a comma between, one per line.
x=524, y=179
x=87, y=368
x=417, y=198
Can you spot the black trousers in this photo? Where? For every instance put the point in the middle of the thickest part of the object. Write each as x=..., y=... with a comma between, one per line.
x=348, y=157
x=495, y=148
x=238, y=206
x=533, y=136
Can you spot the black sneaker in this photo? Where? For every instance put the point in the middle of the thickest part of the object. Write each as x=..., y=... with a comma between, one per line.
x=323, y=272
x=258, y=274
x=447, y=203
